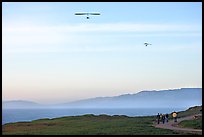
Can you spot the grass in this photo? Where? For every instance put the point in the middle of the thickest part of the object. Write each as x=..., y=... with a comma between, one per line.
x=89, y=125
x=190, y=111
x=195, y=123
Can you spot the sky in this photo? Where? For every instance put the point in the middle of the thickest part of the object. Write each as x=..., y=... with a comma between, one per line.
x=49, y=55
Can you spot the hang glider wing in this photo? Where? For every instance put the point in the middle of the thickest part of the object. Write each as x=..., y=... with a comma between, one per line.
x=145, y=43
x=87, y=13
x=81, y=13
x=94, y=13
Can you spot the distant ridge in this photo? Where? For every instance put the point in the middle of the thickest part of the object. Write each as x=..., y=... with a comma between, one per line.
x=15, y=104
x=176, y=98
x=171, y=98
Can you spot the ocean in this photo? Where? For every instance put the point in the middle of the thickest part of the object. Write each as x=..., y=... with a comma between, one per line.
x=24, y=115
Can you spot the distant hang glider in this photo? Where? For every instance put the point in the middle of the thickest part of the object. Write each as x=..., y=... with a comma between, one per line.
x=87, y=14
x=146, y=43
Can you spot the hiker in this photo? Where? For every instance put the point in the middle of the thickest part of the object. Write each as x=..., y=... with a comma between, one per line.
x=174, y=116
x=167, y=117
x=158, y=118
x=160, y=115
x=163, y=118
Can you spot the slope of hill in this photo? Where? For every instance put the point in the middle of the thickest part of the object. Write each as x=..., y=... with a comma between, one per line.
x=93, y=125
x=15, y=104
x=177, y=98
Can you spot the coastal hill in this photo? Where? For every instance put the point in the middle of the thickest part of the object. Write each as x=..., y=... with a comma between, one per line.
x=15, y=104
x=173, y=98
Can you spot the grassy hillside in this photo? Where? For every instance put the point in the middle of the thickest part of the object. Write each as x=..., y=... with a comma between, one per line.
x=196, y=123
x=190, y=111
x=89, y=125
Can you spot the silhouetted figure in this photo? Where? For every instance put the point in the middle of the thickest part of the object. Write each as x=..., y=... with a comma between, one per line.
x=167, y=118
x=160, y=115
x=158, y=118
x=174, y=116
x=163, y=118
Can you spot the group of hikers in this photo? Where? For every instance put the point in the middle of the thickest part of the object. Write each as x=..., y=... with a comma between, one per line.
x=165, y=117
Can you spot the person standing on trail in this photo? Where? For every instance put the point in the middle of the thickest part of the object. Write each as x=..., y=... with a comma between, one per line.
x=158, y=118
x=167, y=117
x=160, y=115
x=174, y=116
x=163, y=118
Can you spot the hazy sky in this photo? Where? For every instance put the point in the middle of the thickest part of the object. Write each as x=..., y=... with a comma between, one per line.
x=51, y=56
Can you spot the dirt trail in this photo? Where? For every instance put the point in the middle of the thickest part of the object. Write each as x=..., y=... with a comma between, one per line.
x=174, y=125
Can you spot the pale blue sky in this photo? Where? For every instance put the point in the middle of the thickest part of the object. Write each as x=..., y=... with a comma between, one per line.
x=50, y=55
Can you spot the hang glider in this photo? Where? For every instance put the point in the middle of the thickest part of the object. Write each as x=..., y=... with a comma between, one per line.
x=87, y=14
x=146, y=44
